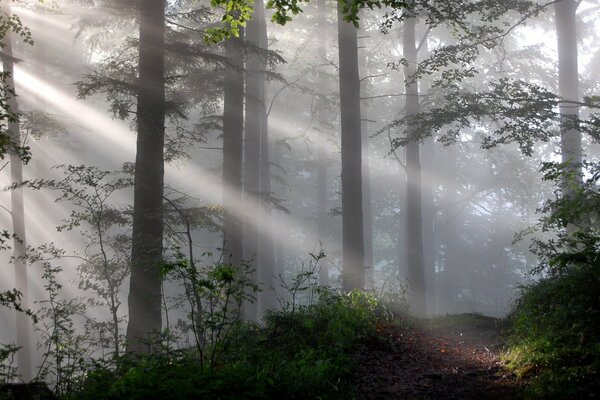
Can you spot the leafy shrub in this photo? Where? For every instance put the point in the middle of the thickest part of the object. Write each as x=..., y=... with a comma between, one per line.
x=555, y=338
x=299, y=355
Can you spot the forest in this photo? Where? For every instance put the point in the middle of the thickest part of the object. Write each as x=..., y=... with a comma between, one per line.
x=299, y=199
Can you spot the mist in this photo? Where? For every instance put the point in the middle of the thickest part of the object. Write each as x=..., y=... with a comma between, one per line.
x=403, y=156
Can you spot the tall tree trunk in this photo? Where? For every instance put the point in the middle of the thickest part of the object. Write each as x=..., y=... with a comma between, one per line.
x=233, y=131
x=367, y=204
x=322, y=167
x=147, y=235
x=416, y=267
x=252, y=159
x=428, y=210
x=568, y=85
x=353, y=252
x=449, y=280
x=18, y=216
x=266, y=249
x=428, y=183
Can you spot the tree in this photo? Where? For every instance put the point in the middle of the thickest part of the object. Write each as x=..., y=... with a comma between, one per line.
x=568, y=85
x=107, y=243
x=353, y=275
x=252, y=161
x=147, y=234
x=233, y=131
x=17, y=209
x=266, y=250
x=322, y=167
x=260, y=248
x=414, y=217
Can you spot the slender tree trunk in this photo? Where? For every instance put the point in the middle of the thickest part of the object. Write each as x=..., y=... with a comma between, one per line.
x=147, y=235
x=353, y=252
x=367, y=205
x=568, y=85
x=266, y=249
x=448, y=285
x=322, y=167
x=428, y=209
x=428, y=183
x=252, y=160
x=18, y=218
x=233, y=131
x=416, y=267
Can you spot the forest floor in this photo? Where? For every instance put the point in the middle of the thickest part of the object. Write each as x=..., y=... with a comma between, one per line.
x=450, y=358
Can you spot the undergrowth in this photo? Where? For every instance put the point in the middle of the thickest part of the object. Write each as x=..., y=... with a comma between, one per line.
x=305, y=354
x=555, y=341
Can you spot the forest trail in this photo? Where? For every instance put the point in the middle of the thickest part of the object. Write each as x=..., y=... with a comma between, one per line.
x=452, y=358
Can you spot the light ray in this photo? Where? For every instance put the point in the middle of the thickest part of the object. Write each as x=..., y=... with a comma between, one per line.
x=117, y=138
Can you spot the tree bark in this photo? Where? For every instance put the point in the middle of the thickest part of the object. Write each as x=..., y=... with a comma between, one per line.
x=18, y=217
x=266, y=250
x=414, y=219
x=322, y=167
x=428, y=213
x=252, y=161
x=568, y=86
x=147, y=235
x=367, y=205
x=233, y=131
x=353, y=248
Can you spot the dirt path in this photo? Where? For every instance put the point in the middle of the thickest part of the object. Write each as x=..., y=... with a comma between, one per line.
x=436, y=361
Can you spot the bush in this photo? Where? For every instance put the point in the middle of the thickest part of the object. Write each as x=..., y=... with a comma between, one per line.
x=299, y=354
x=555, y=339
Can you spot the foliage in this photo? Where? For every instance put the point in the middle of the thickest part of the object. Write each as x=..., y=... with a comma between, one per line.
x=576, y=203
x=63, y=349
x=555, y=340
x=10, y=24
x=103, y=225
x=459, y=13
x=214, y=296
x=7, y=355
x=294, y=356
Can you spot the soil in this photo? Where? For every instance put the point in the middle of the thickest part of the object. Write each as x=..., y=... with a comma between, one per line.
x=446, y=360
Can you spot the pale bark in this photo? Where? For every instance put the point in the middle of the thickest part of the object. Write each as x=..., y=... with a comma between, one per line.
x=17, y=209
x=322, y=166
x=252, y=161
x=568, y=86
x=416, y=267
x=367, y=206
x=267, y=272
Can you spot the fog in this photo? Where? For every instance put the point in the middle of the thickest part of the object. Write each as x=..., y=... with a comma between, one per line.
x=446, y=244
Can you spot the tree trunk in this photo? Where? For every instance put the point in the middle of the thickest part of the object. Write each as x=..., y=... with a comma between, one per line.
x=416, y=267
x=568, y=86
x=353, y=252
x=147, y=235
x=367, y=205
x=266, y=250
x=252, y=161
x=18, y=218
x=428, y=210
x=322, y=167
x=233, y=131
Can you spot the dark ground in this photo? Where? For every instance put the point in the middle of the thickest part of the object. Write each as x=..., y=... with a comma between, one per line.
x=449, y=358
